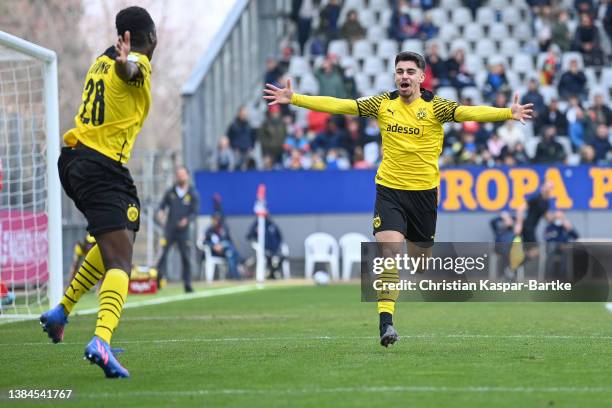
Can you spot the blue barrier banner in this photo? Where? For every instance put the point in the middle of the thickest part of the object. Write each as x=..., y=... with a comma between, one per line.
x=353, y=191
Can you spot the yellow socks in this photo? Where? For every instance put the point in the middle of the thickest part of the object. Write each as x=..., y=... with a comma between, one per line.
x=112, y=298
x=387, y=298
x=88, y=275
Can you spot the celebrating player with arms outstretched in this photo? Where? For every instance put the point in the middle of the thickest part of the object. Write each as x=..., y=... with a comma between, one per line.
x=116, y=101
x=410, y=120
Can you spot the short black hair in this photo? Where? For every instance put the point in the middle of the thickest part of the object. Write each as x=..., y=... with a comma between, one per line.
x=137, y=21
x=411, y=56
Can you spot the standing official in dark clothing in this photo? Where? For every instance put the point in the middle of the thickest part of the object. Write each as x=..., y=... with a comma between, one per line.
x=179, y=207
x=529, y=216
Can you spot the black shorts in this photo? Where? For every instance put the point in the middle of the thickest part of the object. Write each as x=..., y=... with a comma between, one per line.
x=413, y=213
x=102, y=189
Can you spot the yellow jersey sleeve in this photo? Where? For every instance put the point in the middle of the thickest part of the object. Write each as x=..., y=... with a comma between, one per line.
x=369, y=106
x=335, y=106
x=444, y=109
x=482, y=114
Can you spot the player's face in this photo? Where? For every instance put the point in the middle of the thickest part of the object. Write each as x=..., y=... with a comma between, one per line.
x=408, y=78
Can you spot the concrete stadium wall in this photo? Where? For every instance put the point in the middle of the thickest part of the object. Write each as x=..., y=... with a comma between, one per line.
x=458, y=227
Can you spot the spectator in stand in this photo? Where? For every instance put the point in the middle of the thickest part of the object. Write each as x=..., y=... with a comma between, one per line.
x=466, y=151
x=294, y=160
x=359, y=162
x=495, y=146
x=354, y=138
x=437, y=65
x=473, y=5
x=427, y=29
x=317, y=121
x=584, y=6
x=534, y=96
x=552, y=116
x=401, y=26
x=573, y=82
x=601, y=144
x=551, y=65
x=350, y=86
x=352, y=30
x=296, y=140
x=606, y=17
x=457, y=72
x=496, y=82
x=331, y=82
x=226, y=159
x=302, y=13
x=328, y=19
x=543, y=27
x=317, y=162
x=587, y=41
x=514, y=156
x=273, y=72
x=332, y=137
x=561, y=34
x=603, y=114
x=336, y=160
x=241, y=136
x=580, y=129
x=549, y=150
x=511, y=134
x=272, y=134
x=587, y=154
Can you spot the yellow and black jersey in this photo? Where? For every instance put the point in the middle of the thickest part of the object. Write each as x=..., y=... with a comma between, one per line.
x=412, y=134
x=112, y=111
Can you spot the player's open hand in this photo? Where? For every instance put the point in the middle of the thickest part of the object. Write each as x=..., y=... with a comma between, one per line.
x=123, y=48
x=521, y=112
x=276, y=95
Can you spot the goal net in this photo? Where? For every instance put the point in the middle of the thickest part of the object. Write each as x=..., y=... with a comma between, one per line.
x=30, y=209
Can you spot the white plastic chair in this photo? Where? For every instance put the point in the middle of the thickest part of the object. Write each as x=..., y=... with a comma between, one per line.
x=523, y=63
x=373, y=66
x=461, y=16
x=350, y=244
x=387, y=49
x=413, y=45
x=485, y=16
x=362, y=49
x=338, y=47
x=321, y=247
x=498, y=31
x=210, y=261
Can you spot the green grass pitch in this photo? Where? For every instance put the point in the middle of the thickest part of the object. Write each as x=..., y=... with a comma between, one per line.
x=307, y=346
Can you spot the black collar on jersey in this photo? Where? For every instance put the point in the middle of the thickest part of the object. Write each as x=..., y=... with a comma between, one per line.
x=426, y=95
x=110, y=52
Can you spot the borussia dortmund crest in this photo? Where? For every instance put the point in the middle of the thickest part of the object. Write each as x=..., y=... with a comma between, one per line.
x=376, y=221
x=421, y=113
x=132, y=213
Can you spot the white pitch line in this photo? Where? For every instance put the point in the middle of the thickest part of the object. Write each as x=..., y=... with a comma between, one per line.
x=350, y=390
x=148, y=302
x=331, y=338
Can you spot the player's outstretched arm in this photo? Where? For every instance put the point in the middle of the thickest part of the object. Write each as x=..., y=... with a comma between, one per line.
x=490, y=114
x=284, y=96
x=125, y=69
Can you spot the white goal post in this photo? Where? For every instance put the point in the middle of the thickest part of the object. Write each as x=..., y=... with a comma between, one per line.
x=30, y=197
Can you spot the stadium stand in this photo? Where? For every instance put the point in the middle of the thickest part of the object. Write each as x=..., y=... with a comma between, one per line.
x=498, y=32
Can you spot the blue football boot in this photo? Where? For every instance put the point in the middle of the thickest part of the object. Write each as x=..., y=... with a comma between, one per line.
x=99, y=352
x=53, y=322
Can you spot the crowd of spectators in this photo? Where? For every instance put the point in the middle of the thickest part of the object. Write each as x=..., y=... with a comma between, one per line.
x=572, y=123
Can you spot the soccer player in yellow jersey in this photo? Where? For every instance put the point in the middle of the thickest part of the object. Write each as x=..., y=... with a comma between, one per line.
x=116, y=100
x=410, y=120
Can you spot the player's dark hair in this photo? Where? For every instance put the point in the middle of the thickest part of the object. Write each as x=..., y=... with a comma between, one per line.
x=137, y=21
x=411, y=56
